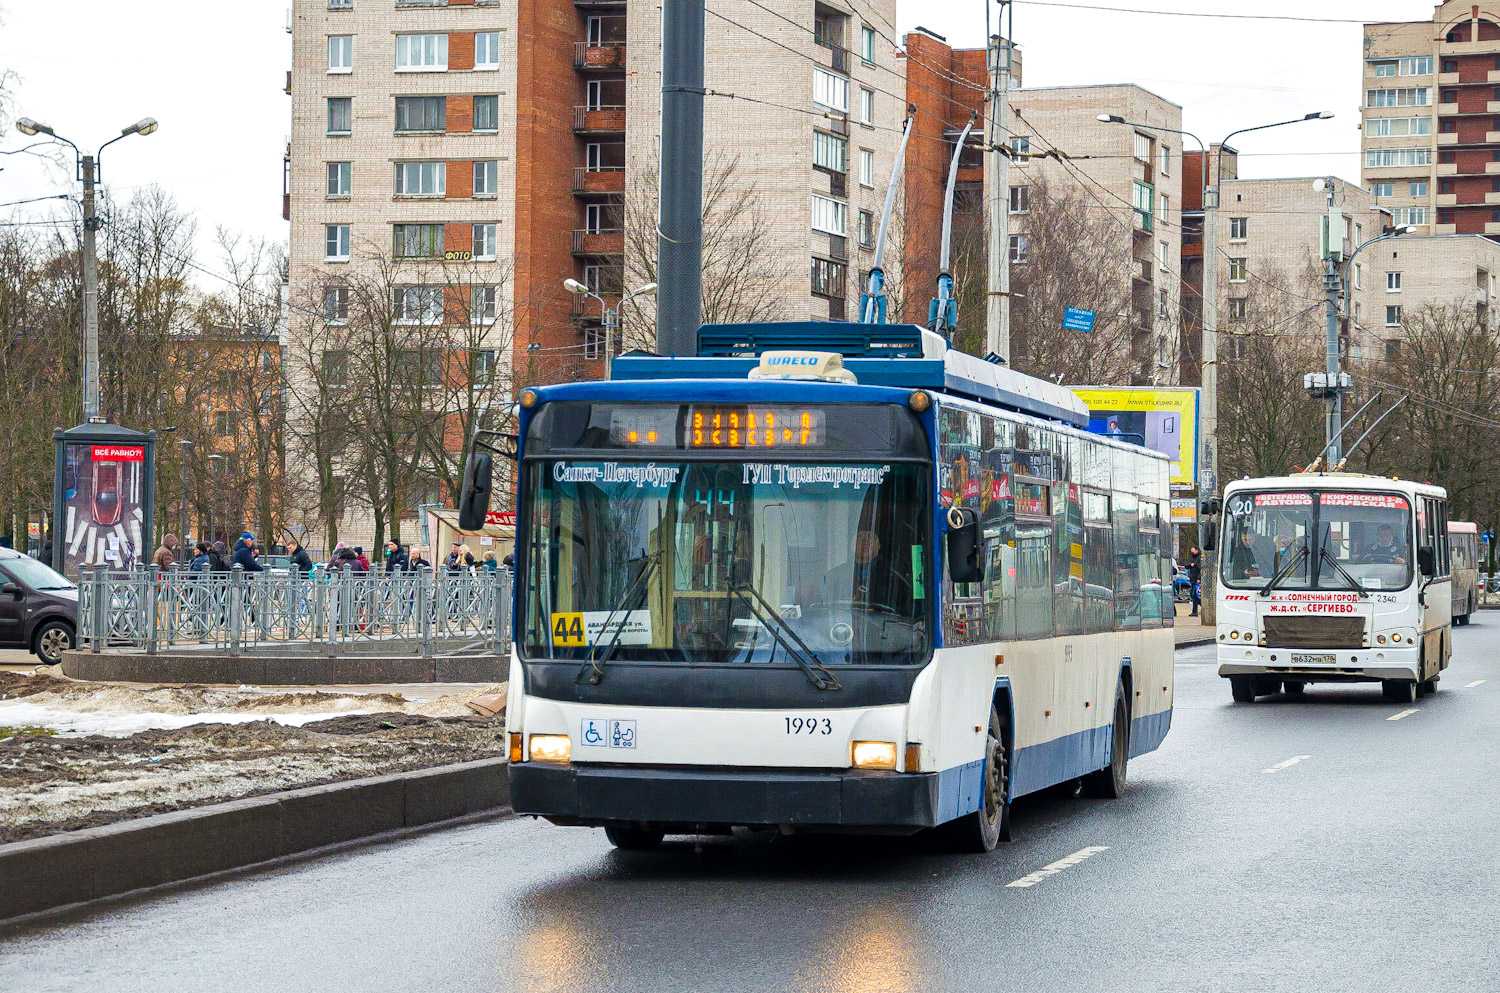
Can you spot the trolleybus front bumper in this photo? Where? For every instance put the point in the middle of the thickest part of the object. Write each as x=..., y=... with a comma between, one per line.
x=595, y=794
x=1346, y=665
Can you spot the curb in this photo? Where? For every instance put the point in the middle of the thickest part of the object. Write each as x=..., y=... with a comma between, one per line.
x=79, y=866
x=305, y=670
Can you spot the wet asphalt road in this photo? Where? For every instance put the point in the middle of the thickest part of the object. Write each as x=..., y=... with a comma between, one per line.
x=1369, y=864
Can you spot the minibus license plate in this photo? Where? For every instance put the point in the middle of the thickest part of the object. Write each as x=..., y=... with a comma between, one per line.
x=1312, y=659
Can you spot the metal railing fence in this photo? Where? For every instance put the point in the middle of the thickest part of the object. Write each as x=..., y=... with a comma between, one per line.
x=318, y=613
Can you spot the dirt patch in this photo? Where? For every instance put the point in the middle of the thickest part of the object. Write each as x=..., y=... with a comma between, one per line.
x=61, y=783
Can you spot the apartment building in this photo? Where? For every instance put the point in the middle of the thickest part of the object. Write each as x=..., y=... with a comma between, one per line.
x=1431, y=119
x=1405, y=274
x=521, y=141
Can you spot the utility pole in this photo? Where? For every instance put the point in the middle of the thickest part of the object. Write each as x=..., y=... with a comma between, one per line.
x=1208, y=458
x=1333, y=285
x=997, y=177
x=679, y=233
x=182, y=448
x=91, y=224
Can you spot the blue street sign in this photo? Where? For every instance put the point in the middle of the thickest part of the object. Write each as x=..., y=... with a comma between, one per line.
x=1078, y=319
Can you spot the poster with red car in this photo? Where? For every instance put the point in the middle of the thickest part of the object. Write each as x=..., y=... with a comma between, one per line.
x=103, y=517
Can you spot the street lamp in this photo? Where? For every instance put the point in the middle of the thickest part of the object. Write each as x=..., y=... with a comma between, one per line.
x=1209, y=352
x=611, y=316
x=88, y=171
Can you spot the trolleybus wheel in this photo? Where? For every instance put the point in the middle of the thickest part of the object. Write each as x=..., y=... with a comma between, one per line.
x=632, y=839
x=990, y=824
x=1293, y=688
x=1109, y=782
x=1430, y=687
x=1242, y=688
x=1399, y=690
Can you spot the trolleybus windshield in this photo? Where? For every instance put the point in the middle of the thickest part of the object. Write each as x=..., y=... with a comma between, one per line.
x=719, y=557
x=1352, y=540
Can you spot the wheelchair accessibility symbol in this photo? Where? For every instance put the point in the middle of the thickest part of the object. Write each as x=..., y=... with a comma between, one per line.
x=600, y=733
x=591, y=732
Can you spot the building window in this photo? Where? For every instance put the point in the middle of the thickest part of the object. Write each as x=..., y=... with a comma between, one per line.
x=1163, y=159
x=866, y=229
x=830, y=90
x=338, y=178
x=1237, y=271
x=484, y=365
x=1413, y=215
x=866, y=167
x=487, y=113
x=341, y=53
x=1385, y=158
x=1397, y=127
x=867, y=107
x=421, y=179
x=418, y=241
x=417, y=304
x=421, y=52
x=1161, y=311
x=486, y=178
x=1449, y=96
x=600, y=217
x=593, y=343
x=1165, y=205
x=1237, y=308
x=1164, y=256
x=1145, y=201
x=1143, y=148
x=1412, y=96
x=484, y=242
x=421, y=113
x=1420, y=65
x=1447, y=158
x=828, y=278
x=1383, y=189
x=336, y=243
x=1449, y=126
x=867, y=43
x=340, y=4
x=828, y=215
x=1393, y=350
x=1383, y=69
x=1238, y=228
x=483, y=306
x=1020, y=150
x=336, y=304
x=1393, y=282
x=340, y=115
x=1020, y=248
x=1418, y=188
x=1393, y=315
x=335, y=367
x=1358, y=277
x=1020, y=199
x=487, y=50
x=830, y=152
x=225, y=422
x=1445, y=217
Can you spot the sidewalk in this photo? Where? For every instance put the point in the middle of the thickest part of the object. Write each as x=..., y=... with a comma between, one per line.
x=1188, y=631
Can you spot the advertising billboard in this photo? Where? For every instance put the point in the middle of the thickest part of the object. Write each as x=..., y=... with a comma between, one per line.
x=102, y=498
x=1162, y=419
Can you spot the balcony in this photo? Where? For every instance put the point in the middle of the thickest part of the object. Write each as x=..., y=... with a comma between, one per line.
x=598, y=120
x=1445, y=229
x=1490, y=228
x=608, y=180
x=606, y=56
x=1448, y=138
x=1448, y=79
x=606, y=241
x=834, y=57
x=1491, y=107
x=1492, y=168
x=1447, y=199
x=1492, y=137
x=585, y=310
x=1444, y=169
x=1492, y=197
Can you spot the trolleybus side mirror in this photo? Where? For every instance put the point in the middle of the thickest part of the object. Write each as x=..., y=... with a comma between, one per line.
x=1209, y=536
x=1427, y=560
x=965, y=561
x=474, y=497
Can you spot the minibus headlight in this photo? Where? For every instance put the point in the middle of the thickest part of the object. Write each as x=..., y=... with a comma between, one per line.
x=873, y=755
x=550, y=748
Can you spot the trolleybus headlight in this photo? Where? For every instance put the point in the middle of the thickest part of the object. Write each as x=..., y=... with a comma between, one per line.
x=919, y=401
x=873, y=754
x=528, y=398
x=550, y=748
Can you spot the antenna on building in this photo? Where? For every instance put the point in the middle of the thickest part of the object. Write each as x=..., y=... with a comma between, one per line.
x=872, y=303
x=942, y=313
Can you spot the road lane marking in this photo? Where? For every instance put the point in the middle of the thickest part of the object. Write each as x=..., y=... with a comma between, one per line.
x=1404, y=713
x=1054, y=868
x=1287, y=764
x=1194, y=665
x=1470, y=686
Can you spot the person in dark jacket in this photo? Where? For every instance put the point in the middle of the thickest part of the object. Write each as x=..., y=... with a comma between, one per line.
x=244, y=553
x=395, y=557
x=1195, y=573
x=218, y=558
x=344, y=558
x=301, y=561
x=416, y=561
x=201, y=558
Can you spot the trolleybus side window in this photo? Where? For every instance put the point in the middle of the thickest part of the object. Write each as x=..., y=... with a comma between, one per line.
x=1098, y=563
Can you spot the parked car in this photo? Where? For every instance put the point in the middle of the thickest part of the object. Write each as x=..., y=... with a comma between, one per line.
x=277, y=565
x=1182, y=585
x=38, y=607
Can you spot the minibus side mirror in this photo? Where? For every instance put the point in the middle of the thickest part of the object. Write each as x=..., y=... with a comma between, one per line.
x=965, y=555
x=474, y=494
x=1210, y=535
x=1427, y=560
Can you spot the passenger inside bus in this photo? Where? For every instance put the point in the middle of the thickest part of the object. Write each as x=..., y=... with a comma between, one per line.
x=1385, y=549
x=1242, y=559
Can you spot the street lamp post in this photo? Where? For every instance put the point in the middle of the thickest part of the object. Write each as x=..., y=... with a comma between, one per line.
x=88, y=169
x=1208, y=446
x=183, y=448
x=611, y=316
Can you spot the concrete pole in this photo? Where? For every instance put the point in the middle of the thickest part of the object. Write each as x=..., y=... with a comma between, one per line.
x=1208, y=469
x=611, y=317
x=997, y=179
x=679, y=234
x=90, y=296
x=1332, y=287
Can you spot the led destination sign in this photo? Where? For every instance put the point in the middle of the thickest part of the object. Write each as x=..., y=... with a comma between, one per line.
x=717, y=426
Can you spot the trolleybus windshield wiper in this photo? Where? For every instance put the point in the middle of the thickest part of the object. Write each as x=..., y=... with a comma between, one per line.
x=1285, y=570
x=1325, y=554
x=598, y=662
x=806, y=659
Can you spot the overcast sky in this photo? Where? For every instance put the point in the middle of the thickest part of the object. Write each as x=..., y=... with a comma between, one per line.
x=212, y=74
